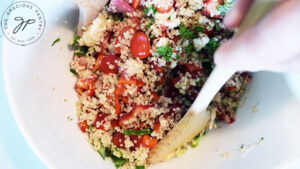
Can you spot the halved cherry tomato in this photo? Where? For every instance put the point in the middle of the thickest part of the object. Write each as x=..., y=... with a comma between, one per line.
x=136, y=140
x=135, y=3
x=210, y=8
x=149, y=141
x=109, y=64
x=98, y=62
x=100, y=118
x=121, y=37
x=83, y=126
x=165, y=6
x=140, y=45
x=119, y=140
x=136, y=110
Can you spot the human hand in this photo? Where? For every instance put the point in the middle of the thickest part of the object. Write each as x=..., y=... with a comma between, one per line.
x=273, y=44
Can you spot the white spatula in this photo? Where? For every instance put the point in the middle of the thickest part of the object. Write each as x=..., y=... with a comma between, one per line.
x=197, y=117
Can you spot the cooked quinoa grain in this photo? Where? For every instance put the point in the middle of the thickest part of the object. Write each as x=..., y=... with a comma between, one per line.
x=140, y=68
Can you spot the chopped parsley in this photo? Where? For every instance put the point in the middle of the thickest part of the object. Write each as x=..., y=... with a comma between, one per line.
x=106, y=152
x=199, y=28
x=217, y=26
x=151, y=36
x=140, y=167
x=138, y=132
x=82, y=50
x=212, y=46
x=204, y=60
x=151, y=8
x=73, y=71
x=199, y=82
x=190, y=48
x=75, y=42
x=242, y=146
x=55, y=41
x=149, y=25
x=117, y=16
x=262, y=138
x=102, y=152
x=185, y=32
x=91, y=127
x=166, y=52
x=225, y=8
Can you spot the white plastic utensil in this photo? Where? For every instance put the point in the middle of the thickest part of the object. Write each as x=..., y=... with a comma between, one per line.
x=197, y=117
x=88, y=10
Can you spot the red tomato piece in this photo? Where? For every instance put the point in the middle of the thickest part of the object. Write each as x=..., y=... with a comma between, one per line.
x=83, y=126
x=140, y=45
x=155, y=96
x=86, y=84
x=97, y=65
x=114, y=123
x=125, y=100
x=174, y=81
x=119, y=140
x=192, y=67
x=135, y=3
x=109, y=64
x=149, y=141
x=117, y=105
x=158, y=69
x=136, y=110
x=123, y=81
x=121, y=37
x=210, y=8
x=165, y=6
x=99, y=118
x=156, y=127
x=136, y=140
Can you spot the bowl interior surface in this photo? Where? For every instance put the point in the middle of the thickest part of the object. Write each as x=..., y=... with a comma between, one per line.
x=40, y=90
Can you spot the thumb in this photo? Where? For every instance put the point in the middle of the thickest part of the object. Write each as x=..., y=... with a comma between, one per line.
x=238, y=12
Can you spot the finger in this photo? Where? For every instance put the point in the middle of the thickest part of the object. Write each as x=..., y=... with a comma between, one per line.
x=271, y=41
x=290, y=65
x=236, y=15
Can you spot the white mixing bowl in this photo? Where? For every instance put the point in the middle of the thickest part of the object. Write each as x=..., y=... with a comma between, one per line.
x=40, y=91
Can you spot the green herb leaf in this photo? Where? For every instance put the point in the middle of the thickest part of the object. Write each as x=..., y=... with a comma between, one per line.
x=225, y=8
x=212, y=46
x=199, y=28
x=151, y=8
x=149, y=25
x=185, y=32
x=151, y=36
x=190, y=48
x=166, y=52
x=75, y=42
x=138, y=132
x=91, y=127
x=81, y=51
x=73, y=71
x=118, y=161
x=55, y=41
x=217, y=26
x=140, y=167
x=102, y=152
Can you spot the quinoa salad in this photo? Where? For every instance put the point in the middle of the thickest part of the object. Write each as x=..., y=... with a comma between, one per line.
x=139, y=67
